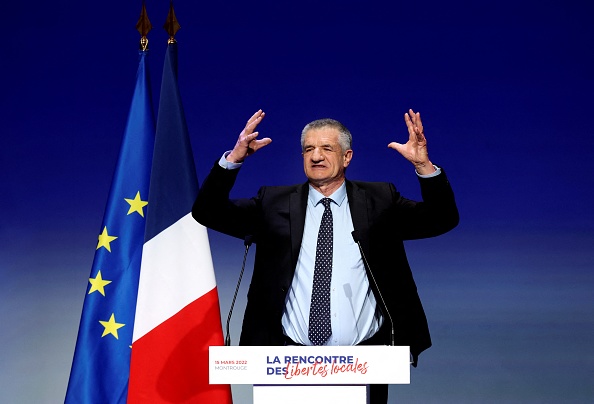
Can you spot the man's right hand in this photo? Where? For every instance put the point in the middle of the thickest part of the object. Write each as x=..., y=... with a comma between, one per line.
x=247, y=143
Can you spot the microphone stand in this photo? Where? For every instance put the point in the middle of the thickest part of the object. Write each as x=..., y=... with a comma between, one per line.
x=247, y=243
x=355, y=235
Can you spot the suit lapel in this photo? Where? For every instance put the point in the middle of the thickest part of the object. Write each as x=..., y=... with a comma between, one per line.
x=297, y=209
x=298, y=204
x=358, y=206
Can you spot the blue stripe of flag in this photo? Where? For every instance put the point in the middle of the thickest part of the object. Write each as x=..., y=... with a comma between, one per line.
x=174, y=184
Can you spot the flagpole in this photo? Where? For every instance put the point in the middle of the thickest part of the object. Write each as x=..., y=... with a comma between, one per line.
x=143, y=26
x=171, y=24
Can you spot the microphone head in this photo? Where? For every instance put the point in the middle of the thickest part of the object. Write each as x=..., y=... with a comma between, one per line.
x=355, y=234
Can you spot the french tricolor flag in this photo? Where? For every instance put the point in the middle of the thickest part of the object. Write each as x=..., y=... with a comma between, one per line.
x=177, y=311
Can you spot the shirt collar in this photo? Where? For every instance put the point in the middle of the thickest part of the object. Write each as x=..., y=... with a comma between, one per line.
x=338, y=196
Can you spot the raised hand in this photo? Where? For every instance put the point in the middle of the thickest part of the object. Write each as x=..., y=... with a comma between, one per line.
x=415, y=150
x=247, y=143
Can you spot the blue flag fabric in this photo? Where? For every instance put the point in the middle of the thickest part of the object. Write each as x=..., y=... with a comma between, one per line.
x=101, y=364
x=174, y=171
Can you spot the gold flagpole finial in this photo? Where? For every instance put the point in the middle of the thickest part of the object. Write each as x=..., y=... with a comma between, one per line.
x=143, y=26
x=171, y=25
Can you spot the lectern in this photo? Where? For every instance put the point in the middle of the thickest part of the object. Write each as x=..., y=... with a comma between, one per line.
x=309, y=374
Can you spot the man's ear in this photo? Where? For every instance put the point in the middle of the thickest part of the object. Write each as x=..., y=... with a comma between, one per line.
x=348, y=156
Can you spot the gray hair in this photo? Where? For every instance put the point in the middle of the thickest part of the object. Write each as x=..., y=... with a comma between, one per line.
x=345, y=139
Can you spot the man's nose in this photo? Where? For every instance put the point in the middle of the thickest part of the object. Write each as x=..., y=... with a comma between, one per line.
x=316, y=155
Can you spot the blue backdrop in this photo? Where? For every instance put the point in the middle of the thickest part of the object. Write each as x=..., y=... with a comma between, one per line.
x=505, y=90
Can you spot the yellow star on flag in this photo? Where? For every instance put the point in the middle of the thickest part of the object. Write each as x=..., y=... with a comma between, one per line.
x=105, y=239
x=136, y=204
x=98, y=283
x=111, y=327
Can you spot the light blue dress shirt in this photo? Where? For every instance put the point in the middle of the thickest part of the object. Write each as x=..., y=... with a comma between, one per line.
x=352, y=304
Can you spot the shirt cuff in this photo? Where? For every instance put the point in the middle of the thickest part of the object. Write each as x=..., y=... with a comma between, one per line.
x=433, y=174
x=227, y=165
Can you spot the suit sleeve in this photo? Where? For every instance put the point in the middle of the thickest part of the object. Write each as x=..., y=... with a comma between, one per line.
x=436, y=214
x=214, y=209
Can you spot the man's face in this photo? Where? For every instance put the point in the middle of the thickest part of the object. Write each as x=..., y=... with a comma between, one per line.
x=324, y=161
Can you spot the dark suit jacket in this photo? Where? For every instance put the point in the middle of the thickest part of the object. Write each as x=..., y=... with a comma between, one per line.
x=276, y=217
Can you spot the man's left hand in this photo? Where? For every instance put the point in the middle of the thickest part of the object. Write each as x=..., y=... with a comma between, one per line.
x=415, y=150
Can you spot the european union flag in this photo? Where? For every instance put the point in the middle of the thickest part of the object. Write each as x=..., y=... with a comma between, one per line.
x=101, y=364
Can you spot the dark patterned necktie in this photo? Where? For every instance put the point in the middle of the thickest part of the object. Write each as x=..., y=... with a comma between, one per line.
x=320, y=327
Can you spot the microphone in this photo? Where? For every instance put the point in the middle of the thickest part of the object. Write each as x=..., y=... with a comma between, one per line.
x=247, y=242
x=357, y=239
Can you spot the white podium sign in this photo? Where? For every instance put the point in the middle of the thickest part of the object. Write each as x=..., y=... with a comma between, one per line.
x=309, y=365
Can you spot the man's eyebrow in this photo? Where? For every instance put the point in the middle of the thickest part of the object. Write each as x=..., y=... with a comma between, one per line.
x=322, y=145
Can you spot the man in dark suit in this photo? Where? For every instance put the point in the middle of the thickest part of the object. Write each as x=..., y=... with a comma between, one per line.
x=285, y=305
